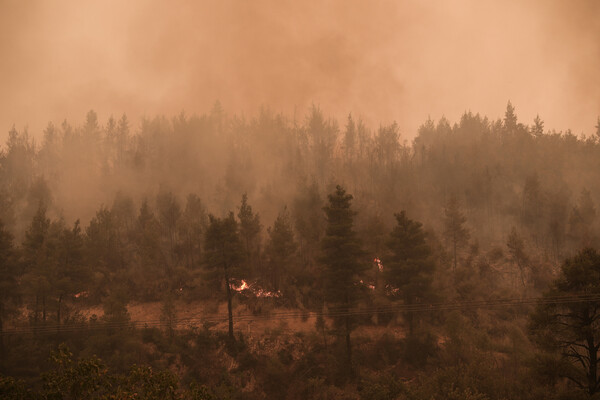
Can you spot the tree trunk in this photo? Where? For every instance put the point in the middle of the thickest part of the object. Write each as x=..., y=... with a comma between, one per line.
x=58, y=310
x=1, y=333
x=348, y=345
x=229, y=307
x=36, y=312
x=455, y=254
x=411, y=321
x=593, y=367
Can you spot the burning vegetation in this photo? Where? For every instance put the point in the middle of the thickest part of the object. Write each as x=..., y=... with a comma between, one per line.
x=310, y=259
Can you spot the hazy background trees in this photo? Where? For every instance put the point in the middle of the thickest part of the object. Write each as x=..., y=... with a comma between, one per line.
x=112, y=213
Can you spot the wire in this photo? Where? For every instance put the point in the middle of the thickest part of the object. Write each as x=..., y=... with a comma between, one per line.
x=330, y=313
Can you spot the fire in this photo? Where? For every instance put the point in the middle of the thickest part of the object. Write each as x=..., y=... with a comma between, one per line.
x=391, y=290
x=81, y=294
x=243, y=287
x=369, y=286
x=377, y=262
x=254, y=289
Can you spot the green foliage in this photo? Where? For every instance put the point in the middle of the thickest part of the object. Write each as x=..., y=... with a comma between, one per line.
x=146, y=383
x=74, y=380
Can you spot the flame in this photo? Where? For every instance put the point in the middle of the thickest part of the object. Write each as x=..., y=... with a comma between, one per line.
x=369, y=286
x=391, y=290
x=377, y=262
x=255, y=290
x=81, y=294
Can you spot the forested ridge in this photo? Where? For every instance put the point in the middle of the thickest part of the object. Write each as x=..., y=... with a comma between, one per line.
x=377, y=267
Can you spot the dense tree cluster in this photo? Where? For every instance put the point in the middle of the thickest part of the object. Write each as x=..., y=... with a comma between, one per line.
x=355, y=226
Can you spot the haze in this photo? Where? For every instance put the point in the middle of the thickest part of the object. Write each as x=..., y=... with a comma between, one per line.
x=382, y=61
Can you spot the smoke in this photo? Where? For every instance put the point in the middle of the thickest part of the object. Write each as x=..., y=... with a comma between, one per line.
x=382, y=61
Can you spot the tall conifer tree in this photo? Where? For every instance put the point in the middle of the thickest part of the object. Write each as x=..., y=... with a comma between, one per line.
x=342, y=258
x=223, y=255
x=409, y=267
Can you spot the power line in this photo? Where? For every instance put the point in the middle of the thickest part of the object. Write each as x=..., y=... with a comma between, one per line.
x=330, y=313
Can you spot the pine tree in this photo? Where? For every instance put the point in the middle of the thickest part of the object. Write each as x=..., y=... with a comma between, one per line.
x=457, y=235
x=71, y=275
x=409, y=267
x=37, y=260
x=147, y=238
x=570, y=329
x=510, y=118
x=309, y=222
x=191, y=230
x=342, y=258
x=249, y=231
x=516, y=249
x=538, y=128
x=280, y=248
x=8, y=281
x=223, y=256
x=169, y=214
x=581, y=220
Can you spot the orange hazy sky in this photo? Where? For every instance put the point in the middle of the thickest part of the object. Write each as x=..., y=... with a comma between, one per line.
x=398, y=60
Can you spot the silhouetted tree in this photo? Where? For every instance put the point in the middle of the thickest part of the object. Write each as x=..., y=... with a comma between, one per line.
x=308, y=221
x=518, y=256
x=223, y=256
x=410, y=267
x=191, y=230
x=538, y=128
x=103, y=247
x=510, y=118
x=342, y=257
x=71, y=275
x=9, y=287
x=249, y=231
x=533, y=206
x=457, y=235
x=37, y=260
x=280, y=249
x=581, y=220
x=571, y=327
x=169, y=213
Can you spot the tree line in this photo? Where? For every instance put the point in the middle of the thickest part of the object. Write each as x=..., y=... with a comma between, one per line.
x=356, y=219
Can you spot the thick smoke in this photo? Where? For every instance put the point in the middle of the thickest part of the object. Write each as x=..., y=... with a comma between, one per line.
x=382, y=61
